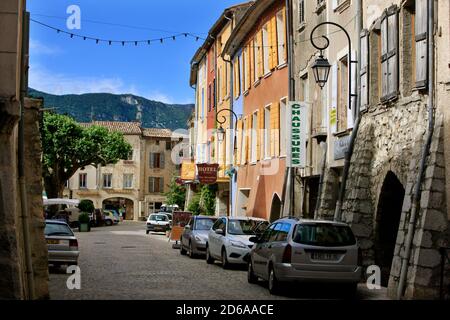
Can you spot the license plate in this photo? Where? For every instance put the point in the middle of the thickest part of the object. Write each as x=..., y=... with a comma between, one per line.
x=51, y=241
x=324, y=256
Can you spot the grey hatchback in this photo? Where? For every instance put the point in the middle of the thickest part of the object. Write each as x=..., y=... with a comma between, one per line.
x=195, y=235
x=61, y=243
x=293, y=249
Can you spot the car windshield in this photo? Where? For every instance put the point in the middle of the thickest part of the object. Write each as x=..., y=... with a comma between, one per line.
x=159, y=217
x=324, y=235
x=57, y=229
x=204, y=223
x=243, y=227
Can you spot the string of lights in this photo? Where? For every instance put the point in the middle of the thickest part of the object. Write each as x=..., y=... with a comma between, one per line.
x=123, y=42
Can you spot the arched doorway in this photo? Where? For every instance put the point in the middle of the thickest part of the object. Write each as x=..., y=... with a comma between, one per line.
x=275, y=211
x=121, y=205
x=387, y=222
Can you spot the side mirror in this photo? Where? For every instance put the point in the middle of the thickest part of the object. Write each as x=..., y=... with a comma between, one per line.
x=254, y=239
x=187, y=227
x=220, y=231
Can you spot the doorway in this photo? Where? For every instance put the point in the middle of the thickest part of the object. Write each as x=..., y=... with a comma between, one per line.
x=387, y=222
x=275, y=211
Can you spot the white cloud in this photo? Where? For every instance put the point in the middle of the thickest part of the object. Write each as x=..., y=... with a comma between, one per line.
x=44, y=80
x=39, y=48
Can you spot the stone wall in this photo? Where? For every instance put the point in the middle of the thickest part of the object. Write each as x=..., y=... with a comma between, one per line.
x=33, y=177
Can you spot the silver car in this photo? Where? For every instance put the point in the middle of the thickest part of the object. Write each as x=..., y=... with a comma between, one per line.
x=61, y=243
x=195, y=235
x=306, y=250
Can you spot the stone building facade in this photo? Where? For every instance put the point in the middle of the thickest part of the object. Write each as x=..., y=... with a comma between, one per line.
x=136, y=185
x=392, y=135
x=17, y=281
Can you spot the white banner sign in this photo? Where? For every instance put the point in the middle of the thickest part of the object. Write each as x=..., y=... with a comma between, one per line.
x=297, y=124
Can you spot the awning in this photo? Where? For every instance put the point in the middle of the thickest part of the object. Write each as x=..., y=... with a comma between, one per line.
x=68, y=202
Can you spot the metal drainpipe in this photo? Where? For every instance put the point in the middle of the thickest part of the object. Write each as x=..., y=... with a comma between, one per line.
x=21, y=159
x=324, y=146
x=291, y=93
x=349, y=153
x=426, y=149
x=230, y=61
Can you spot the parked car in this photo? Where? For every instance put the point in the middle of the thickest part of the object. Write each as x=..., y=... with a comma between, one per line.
x=158, y=222
x=293, y=249
x=195, y=235
x=61, y=243
x=228, y=239
x=110, y=218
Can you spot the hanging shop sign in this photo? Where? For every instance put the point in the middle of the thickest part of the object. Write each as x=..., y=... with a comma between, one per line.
x=297, y=125
x=341, y=146
x=207, y=173
x=188, y=171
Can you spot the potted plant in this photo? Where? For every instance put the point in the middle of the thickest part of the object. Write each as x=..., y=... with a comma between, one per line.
x=84, y=222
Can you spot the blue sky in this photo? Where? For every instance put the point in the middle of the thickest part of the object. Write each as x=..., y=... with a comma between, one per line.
x=61, y=65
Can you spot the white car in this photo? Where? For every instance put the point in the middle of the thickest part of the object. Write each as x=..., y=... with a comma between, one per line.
x=158, y=222
x=228, y=239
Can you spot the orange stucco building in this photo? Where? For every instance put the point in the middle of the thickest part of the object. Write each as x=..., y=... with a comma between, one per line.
x=258, y=49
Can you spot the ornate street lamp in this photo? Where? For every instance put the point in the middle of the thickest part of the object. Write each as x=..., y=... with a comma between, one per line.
x=221, y=134
x=321, y=69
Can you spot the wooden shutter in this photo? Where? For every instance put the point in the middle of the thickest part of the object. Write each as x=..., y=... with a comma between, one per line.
x=151, y=185
x=239, y=141
x=334, y=98
x=152, y=160
x=270, y=44
x=275, y=129
x=352, y=90
x=285, y=47
x=248, y=70
x=248, y=139
x=274, y=43
x=162, y=161
x=421, y=42
x=389, y=57
x=364, y=38
x=259, y=138
x=161, y=185
x=259, y=55
x=252, y=62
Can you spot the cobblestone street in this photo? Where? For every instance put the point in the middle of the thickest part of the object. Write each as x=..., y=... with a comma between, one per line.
x=122, y=262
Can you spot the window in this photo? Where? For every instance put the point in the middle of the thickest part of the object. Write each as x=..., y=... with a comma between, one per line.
x=107, y=180
x=209, y=97
x=127, y=181
x=267, y=132
x=283, y=125
x=281, y=36
x=157, y=161
x=254, y=137
x=326, y=235
x=301, y=12
x=82, y=182
x=168, y=145
x=156, y=185
x=389, y=56
x=265, y=48
x=130, y=155
x=342, y=94
x=202, y=106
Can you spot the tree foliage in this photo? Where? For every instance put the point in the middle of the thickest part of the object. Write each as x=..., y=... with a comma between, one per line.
x=204, y=202
x=67, y=147
x=176, y=194
x=86, y=206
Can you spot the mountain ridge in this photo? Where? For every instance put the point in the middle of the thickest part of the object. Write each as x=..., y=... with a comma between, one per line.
x=117, y=107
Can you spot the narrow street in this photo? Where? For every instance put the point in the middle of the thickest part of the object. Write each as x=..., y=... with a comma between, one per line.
x=122, y=262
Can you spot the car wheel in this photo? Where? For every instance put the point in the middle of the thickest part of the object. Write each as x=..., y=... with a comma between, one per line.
x=182, y=250
x=108, y=223
x=225, y=263
x=274, y=284
x=191, y=251
x=251, y=277
x=209, y=259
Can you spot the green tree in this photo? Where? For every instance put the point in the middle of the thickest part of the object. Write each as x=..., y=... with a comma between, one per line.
x=176, y=194
x=208, y=199
x=86, y=206
x=194, y=205
x=68, y=147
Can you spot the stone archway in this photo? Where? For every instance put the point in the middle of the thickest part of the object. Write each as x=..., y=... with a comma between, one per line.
x=275, y=209
x=389, y=211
